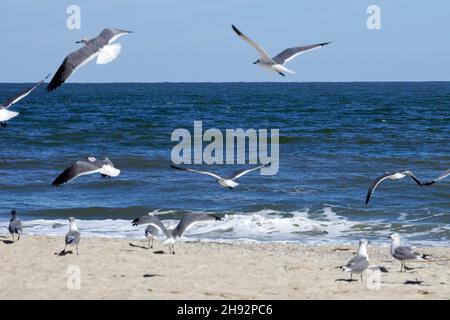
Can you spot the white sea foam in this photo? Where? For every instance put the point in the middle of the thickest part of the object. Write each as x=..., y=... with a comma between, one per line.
x=261, y=226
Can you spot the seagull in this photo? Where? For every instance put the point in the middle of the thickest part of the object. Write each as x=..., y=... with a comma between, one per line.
x=277, y=63
x=73, y=236
x=84, y=167
x=150, y=233
x=230, y=182
x=403, y=253
x=391, y=176
x=100, y=47
x=5, y=114
x=174, y=234
x=359, y=262
x=15, y=226
x=442, y=176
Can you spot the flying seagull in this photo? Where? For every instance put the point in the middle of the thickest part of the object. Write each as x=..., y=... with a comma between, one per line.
x=442, y=176
x=84, y=167
x=403, y=253
x=73, y=236
x=100, y=47
x=173, y=235
x=230, y=182
x=15, y=226
x=359, y=262
x=277, y=62
x=391, y=176
x=5, y=114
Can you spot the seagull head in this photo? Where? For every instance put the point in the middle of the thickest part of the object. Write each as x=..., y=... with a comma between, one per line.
x=257, y=61
x=395, y=237
x=71, y=219
x=82, y=41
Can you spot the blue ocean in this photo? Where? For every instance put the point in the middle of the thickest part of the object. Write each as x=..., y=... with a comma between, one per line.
x=335, y=138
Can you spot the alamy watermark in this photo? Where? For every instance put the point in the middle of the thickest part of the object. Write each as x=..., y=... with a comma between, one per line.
x=74, y=279
x=235, y=146
x=73, y=21
x=374, y=19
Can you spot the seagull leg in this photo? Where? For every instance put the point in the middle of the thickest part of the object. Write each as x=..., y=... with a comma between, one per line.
x=77, y=249
x=152, y=244
x=173, y=249
x=65, y=247
x=351, y=276
x=18, y=236
x=148, y=243
x=361, y=277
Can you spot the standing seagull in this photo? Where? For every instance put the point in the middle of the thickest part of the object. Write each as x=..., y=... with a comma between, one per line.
x=359, y=262
x=173, y=235
x=100, y=47
x=5, y=114
x=15, y=226
x=224, y=182
x=150, y=233
x=403, y=253
x=442, y=176
x=277, y=63
x=84, y=167
x=73, y=236
x=391, y=176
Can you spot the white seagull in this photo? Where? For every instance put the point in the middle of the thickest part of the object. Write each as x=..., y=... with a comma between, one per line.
x=359, y=262
x=100, y=47
x=73, y=237
x=403, y=253
x=391, y=176
x=84, y=167
x=277, y=62
x=442, y=176
x=5, y=114
x=230, y=182
x=173, y=235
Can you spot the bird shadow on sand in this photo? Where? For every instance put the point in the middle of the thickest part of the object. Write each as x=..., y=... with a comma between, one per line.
x=151, y=275
x=138, y=246
x=346, y=280
x=63, y=253
x=8, y=241
x=159, y=252
x=416, y=282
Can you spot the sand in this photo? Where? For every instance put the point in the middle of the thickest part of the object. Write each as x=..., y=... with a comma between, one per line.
x=124, y=269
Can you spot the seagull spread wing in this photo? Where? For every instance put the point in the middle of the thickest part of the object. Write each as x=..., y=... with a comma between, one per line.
x=375, y=184
x=263, y=54
x=153, y=221
x=188, y=221
x=198, y=171
x=244, y=172
x=442, y=176
x=79, y=168
x=410, y=174
x=291, y=53
x=22, y=94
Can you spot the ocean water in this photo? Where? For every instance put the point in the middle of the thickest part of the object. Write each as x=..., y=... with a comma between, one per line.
x=335, y=138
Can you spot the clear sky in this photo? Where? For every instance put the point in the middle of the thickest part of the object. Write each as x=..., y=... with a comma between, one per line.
x=192, y=40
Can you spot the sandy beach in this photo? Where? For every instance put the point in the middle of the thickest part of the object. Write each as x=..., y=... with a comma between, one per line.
x=125, y=269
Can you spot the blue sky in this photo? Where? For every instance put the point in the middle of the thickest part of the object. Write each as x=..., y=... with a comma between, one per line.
x=191, y=40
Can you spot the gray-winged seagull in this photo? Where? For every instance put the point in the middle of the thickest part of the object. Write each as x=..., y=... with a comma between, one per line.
x=5, y=114
x=100, y=47
x=442, y=176
x=359, y=262
x=73, y=237
x=15, y=225
x=173, y=235
x=391, y=176
x=403, y=253
x=230, y=182
x=277, y=62
x=89, y=166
